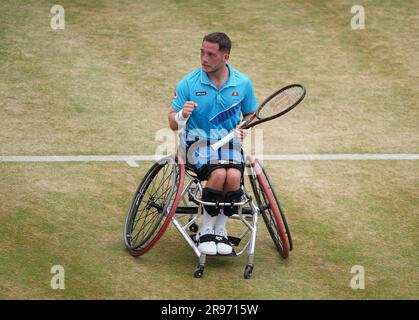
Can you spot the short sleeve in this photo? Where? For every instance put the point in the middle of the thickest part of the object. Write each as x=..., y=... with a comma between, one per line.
x=181, y=95
x=249, y=103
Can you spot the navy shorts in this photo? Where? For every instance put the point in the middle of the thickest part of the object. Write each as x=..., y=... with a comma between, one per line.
x=204, y=160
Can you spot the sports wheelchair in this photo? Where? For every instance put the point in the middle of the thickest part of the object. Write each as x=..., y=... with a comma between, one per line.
x=171, y=192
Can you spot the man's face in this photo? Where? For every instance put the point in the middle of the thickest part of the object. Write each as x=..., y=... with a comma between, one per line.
x=212, y=59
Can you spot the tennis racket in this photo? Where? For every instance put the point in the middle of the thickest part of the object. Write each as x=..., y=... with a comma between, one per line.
x=277, y=104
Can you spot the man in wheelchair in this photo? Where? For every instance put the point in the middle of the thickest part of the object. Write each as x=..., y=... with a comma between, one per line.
x=208, y=103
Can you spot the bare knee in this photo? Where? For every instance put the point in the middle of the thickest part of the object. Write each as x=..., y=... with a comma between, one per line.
x=233, y=179
x=217, y=179
x=233, y=175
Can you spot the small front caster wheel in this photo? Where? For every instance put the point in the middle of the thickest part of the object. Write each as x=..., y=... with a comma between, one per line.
x=199, y=272
x=248, y=271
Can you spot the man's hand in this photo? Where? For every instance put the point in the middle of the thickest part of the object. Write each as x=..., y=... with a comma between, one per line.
x=240, y=133
x=188, y=108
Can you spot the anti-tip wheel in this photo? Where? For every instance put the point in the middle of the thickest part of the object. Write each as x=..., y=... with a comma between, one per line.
x=194, y=227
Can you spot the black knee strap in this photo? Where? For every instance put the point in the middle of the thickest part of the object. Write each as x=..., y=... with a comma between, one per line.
x=232, y=196
x=212, y=195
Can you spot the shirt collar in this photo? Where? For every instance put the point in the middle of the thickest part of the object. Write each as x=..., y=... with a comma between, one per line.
x=231, y=81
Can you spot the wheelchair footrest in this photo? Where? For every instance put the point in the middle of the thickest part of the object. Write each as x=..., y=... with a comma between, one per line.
x=232, y=254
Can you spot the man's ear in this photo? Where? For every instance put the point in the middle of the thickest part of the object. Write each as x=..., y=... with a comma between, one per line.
x=226, y=57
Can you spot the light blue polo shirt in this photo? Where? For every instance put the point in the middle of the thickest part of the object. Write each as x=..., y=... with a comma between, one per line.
x=218, y=111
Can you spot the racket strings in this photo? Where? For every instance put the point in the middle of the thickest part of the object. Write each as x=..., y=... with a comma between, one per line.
x=281, y=102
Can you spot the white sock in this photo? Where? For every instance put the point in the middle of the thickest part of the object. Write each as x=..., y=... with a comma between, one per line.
x=207, y=223
x=220, y=222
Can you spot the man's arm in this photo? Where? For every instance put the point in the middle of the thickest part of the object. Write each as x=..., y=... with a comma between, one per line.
x=172, y=121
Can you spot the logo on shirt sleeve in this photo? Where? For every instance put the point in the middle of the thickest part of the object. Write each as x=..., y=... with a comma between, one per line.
x=200, y=93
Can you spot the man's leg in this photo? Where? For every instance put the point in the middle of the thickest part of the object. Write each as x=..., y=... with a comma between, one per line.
x=212, y=192
x=233, y=179
x=233, y=193
x=232, y=190
x=217, y=179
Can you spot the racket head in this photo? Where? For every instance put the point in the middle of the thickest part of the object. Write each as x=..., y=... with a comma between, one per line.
x=279, y=103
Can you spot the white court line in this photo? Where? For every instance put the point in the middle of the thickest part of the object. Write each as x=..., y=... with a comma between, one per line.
x=344, y=156
x=132, y=159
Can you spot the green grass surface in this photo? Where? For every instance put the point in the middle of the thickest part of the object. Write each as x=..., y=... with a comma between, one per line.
x=73, y=215
x=104, y=85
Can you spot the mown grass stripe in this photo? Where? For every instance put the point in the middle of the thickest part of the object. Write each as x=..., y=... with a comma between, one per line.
x=131, y=159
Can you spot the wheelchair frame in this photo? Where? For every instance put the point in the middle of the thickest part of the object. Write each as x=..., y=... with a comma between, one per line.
x=154, y=217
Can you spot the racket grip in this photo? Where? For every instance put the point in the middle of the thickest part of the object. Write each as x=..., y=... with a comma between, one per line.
x=223, y=141
x=227, y=138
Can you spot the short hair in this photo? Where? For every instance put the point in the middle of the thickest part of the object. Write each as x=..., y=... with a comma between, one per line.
x=221, y=38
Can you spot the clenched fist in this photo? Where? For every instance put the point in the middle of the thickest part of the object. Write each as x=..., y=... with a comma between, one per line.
x=188, y=108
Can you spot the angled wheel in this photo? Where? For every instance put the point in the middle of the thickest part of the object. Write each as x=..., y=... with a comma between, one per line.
x=153, y=205
x=281, y=211
x=270, y=207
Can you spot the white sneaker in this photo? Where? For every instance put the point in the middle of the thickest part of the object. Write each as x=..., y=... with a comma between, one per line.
x=206, y=244
x=223, y=245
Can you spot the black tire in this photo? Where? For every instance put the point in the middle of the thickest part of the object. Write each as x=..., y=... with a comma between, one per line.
x=153, y=205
